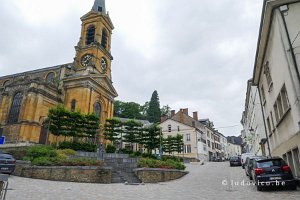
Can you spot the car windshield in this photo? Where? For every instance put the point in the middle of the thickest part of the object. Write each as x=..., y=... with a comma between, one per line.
x=5, y=156
x=270, y=163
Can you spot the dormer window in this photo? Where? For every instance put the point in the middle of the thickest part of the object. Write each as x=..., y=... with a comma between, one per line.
x=50, y=77
x=99, y=8
x=90, y=35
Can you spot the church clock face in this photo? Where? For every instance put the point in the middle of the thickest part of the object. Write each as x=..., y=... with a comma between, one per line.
x=86, y=60
x=103, y=64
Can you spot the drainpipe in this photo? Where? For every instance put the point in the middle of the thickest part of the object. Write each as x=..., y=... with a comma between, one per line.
x=290, y=43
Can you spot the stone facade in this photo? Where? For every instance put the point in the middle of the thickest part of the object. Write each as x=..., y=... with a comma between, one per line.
x=25, y=98
x=86, y=174
x=152, y=175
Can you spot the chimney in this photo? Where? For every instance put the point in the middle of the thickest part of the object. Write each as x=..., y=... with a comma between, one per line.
x=195, y=115
x=163, y=118
x=181, y=115
x=172, y=113
x=186, y=111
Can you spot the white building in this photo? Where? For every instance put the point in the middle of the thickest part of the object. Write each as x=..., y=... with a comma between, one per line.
x=253, y=133
x=234, y=149
x=193, y=133
x=277, y=75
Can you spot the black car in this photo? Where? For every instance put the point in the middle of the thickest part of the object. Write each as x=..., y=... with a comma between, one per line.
x=7, y=163
x=272, y=172
x=235, y=161
x=249, y=164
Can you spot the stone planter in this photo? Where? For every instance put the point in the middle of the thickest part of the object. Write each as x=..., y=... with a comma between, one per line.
x=155, y=175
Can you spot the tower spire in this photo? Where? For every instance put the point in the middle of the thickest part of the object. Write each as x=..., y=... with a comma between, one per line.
x=99, y=6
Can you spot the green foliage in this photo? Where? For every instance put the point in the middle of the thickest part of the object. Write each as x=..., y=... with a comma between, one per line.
x=110, y=148
x=77, y=146
x=167, y=157
x=112, y=129
x=125, y=151
x=153, y=112
x=67, y=152
x=173, y=144
x=165, y=111
x=132, y=131
x=151, y=137
x=42, y=161
x=67, y=123
x=129, y=110
x=40, y=151
x=153, y=163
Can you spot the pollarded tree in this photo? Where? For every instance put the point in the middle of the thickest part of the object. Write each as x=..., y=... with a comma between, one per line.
x=153, y=112
x=178, y=143
x=132, y=130
x=151, y=137
x=112, y=129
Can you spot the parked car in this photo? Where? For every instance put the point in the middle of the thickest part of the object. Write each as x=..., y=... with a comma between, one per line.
x=235, y=160
x=7, y=163
x=244, y=157
x=249, y=164
x=272, y=172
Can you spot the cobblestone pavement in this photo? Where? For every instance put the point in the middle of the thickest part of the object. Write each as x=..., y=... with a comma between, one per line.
x=203, y=182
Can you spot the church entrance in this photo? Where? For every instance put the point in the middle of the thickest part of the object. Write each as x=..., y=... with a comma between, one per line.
x=43, y=135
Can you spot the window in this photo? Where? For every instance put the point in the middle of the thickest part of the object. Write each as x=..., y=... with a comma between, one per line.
x=104, y=39
x=188, y=137
x=97, y=109
x=178, y=128
x=187, y=149
x=271, y=116
x=208, y=143
x=99, y=8
x=90, y=35
x=50, y=77
x=73, y=105
x=14, y=112
x=6, y=83
x=263, y=96
x=268, y=75
x=169, y=128
x=281, y=105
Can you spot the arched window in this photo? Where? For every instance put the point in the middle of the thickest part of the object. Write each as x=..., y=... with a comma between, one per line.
x=97, y=109
x=104, y=38
x=14, y=112
x=50, y=77
x=73, y=105
x=6, y=83
x=90, y=35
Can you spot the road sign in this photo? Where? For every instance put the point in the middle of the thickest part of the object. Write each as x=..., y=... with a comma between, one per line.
x=2, y=140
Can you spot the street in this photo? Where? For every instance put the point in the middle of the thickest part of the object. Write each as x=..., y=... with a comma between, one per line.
x=206, y=181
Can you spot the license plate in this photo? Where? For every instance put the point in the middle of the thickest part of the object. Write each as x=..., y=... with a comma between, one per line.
x=4, y=168
x=275, y=178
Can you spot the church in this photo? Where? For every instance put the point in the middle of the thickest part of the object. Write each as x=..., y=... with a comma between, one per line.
x=84, y=84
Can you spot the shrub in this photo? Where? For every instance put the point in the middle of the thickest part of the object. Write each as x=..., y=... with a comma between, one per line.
x=148, y=155
x=67, y=152
x=41, y=161
x=77, y=146
x=153, y=163
x=110, y=148
x=166, y=157
x=40, y=151
x=125, y=151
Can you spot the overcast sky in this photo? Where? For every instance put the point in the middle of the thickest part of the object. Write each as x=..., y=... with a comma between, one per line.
x=197, y=54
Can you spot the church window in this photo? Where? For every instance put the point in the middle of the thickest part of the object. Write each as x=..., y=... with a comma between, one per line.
x=50, y=77
x=14, y=112
x=73, y=105
x=90, y=35
x=99, y=8
x=97, y=109
x=104, y=38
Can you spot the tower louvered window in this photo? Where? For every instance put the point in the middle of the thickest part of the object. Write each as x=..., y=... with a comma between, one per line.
x=15, y=108
x=90, y=35
x=73, y=105
x=104, y=38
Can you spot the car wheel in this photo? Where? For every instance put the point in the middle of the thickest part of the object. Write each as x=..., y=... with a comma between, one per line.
x=293, y=187
x=250, y=177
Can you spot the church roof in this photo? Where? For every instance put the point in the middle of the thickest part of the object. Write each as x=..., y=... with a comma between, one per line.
x=99, y=6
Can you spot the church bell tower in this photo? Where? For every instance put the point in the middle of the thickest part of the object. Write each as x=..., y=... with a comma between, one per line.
x=93, y=48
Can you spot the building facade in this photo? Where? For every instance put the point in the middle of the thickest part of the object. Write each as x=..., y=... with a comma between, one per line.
x=276, y=74
x=253, y=133
x=84, y=84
